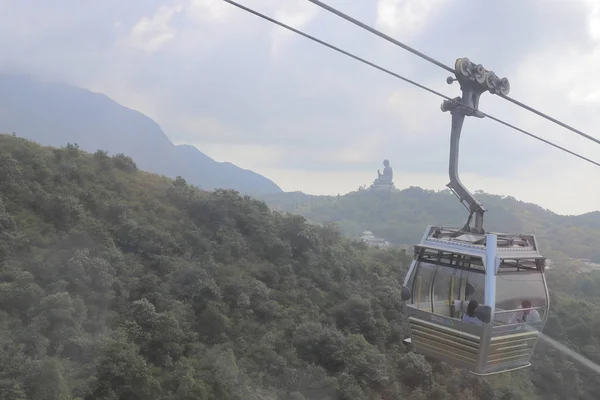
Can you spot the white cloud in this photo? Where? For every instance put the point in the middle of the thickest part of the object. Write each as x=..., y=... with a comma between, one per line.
x=417, y=112
x=296, y=13
x=151, y=34
x=354, y=154
x=405, y=17
x=202, y=11
x=561, y=80
x=594, y=22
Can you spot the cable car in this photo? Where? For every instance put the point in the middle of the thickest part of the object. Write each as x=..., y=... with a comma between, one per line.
x=452, y=267
x=499, y=271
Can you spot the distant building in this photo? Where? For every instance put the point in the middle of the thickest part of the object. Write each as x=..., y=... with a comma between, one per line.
x=586, y=265
x=371, y=240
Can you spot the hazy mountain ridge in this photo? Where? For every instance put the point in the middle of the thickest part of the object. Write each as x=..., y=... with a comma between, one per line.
x=55, y=114
x=402, y=217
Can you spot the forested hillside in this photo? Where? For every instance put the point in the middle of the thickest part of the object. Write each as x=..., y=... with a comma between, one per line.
x=119, y=284
x=402, y=217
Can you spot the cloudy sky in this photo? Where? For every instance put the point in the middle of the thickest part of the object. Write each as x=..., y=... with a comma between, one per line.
x=243, y=90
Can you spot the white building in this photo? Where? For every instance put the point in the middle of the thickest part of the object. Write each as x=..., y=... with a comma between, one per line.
x=371, y=240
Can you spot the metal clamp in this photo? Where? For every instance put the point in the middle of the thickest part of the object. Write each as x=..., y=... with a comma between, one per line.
x=474, y=80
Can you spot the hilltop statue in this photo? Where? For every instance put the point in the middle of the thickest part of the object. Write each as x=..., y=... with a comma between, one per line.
x=384, y=180
x=388, y=173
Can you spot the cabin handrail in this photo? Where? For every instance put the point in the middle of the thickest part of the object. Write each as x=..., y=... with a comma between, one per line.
x=520, y=309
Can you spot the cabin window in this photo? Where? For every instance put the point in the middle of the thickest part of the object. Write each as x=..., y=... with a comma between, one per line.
x=474, y=287
x=515, y=285
x=421, y=287
x=439, y=288
x=446, y=289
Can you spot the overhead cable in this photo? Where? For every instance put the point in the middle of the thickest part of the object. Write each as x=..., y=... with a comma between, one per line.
x=387, y=71
x=444, y=66
x=381, y=34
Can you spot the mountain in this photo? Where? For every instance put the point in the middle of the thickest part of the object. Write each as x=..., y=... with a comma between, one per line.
x=120, y=284
x=55, y=114
x=402, y=217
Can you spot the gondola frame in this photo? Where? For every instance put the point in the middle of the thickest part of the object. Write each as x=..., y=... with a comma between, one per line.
x=488, y=349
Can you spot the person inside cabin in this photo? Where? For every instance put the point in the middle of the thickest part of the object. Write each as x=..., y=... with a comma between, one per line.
x=469, y=316
x=527, y=315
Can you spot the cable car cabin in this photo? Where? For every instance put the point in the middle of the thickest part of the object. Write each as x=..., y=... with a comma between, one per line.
x=502, y=273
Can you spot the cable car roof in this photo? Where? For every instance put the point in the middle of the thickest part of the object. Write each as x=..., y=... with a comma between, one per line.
x=509, y=246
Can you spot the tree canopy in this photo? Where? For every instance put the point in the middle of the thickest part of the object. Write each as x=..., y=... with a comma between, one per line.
x=120, y=284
